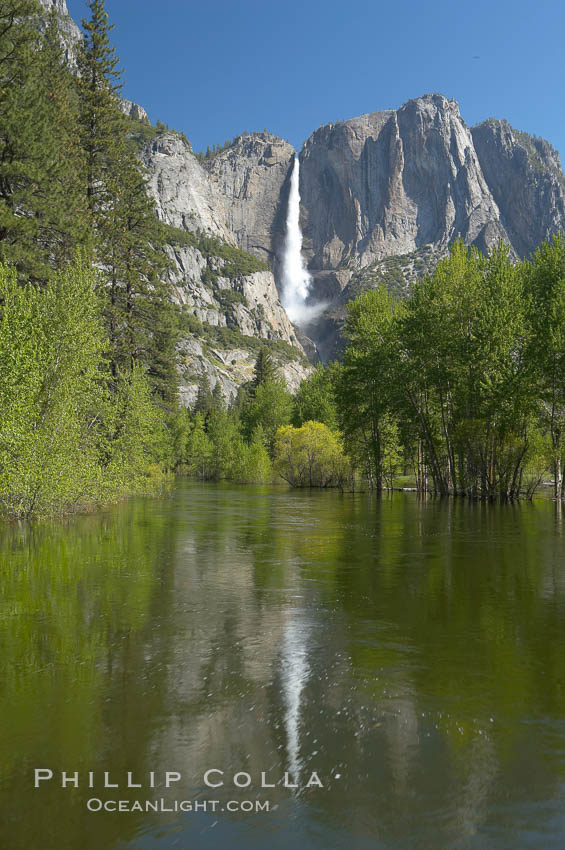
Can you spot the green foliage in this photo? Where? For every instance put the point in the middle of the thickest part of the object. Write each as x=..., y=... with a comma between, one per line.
x=463, y=380
x=203, y=403
x=396, y=273
x=43, y=210
x=270, y=406
x=237, y=263
x=227, y=298
x=199, y=450
x=315, y=399
x=252, y=464
x=545, y=289
x=367, y=381
x=142, y=324
x=226, y=337
x=264, y=368
x=310, y=456
x=235, y=444
x=66, y=439
x=50, y=352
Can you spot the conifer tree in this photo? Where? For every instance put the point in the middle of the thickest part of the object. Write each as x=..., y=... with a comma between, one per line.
x=42, y=210
x=141, y=320
x=264, y=368
x=204, y=397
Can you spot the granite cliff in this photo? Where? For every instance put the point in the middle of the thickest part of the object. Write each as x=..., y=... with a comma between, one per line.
x=384, y=194
x=526, y=180
x=70, y=32
x=250, y=176
x=231, y=297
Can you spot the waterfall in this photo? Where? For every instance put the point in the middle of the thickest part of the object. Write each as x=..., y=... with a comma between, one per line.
x=295, y=278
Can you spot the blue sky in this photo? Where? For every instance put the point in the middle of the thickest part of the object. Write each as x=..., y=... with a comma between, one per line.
x=214, y=68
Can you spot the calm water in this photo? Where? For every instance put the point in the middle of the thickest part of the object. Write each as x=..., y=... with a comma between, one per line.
x=411, y=653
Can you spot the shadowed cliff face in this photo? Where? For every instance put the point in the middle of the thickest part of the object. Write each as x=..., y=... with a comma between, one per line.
x=526, y=179
x=251, y=176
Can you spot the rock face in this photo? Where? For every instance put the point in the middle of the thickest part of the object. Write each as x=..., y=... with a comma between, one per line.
x=525, y=177
x=233, y=311
x=393, y=184
x=389, y=182
x=134, y=110
x=70, y=32
x=184, y=193
x=250, y=176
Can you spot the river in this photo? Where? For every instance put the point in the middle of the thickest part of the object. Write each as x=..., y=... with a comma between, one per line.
x=406, y=655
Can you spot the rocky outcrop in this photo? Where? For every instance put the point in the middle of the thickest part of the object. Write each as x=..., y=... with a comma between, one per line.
x=230, y=367
x=231, y=315
x=70, y=32
x=247, y=303
x=183, y=191
x=250, y=176
x=525, y=177
x=134, y=110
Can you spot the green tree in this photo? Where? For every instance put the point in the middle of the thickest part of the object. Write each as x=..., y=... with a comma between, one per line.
x=51, y=393
x=43, y=211
x=315, y=399
x=270, y=407
x=199, y=450
x=366, y=383
x=264, y=368
x=545, y=284
x=310, y=456
x=223, y=432
x=204, y=400
x=141, y=321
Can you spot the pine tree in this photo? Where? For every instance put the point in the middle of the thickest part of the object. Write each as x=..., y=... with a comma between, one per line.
x=42, y=211
x=204, y=397
x=264, y=368
x=141, y=320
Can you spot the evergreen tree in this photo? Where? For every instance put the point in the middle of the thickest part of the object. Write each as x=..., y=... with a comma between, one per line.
x=43, y=214
x=264, y=368
x=203, y=402
x=218, y=401
x=199, y=449
x=142, y=323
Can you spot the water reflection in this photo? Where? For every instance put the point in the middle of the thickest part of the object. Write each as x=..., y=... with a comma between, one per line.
x=294, y=676
x=411, y=653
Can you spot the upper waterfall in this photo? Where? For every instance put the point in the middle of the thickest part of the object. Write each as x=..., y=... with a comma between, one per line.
x=295, y=277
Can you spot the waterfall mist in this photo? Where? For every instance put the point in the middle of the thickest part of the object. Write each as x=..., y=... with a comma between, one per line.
x=295, y=277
